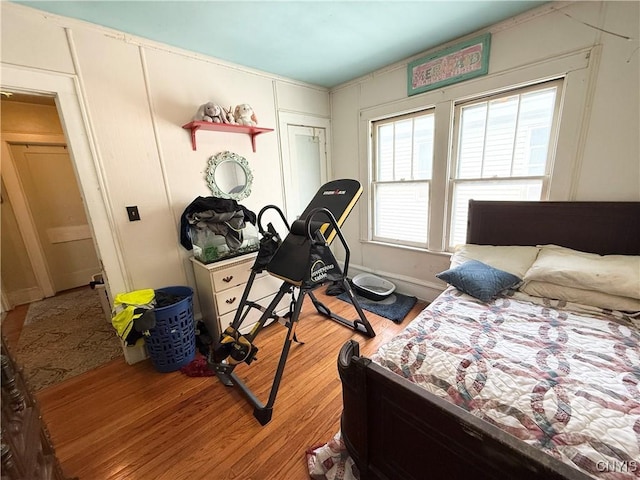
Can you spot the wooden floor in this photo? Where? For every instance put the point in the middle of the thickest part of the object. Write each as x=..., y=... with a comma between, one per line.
x=130, y=422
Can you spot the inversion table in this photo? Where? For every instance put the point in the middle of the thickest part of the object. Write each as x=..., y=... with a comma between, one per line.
x=304, y=262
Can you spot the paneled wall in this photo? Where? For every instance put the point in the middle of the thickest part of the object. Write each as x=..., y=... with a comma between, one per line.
x=131, y=98
x=595, y=44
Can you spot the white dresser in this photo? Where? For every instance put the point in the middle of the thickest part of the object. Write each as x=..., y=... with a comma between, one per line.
x=220, y=286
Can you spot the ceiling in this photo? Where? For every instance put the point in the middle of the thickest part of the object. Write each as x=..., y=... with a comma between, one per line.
x=325, y=43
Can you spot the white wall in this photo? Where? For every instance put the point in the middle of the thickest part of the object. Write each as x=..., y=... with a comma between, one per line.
x=598, y=156
x=132, y=98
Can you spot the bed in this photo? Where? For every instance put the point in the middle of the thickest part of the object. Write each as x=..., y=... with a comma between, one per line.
x=519, y=386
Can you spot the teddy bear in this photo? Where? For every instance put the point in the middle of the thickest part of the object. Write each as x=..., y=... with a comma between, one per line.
x=228, y=116
x=209, y=112
x=244, y=115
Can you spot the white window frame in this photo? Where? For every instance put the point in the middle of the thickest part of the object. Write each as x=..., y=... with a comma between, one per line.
x=375, y=181
x=574, y=67
x=545, y=177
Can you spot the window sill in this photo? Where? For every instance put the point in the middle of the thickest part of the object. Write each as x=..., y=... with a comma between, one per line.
x=405, y=247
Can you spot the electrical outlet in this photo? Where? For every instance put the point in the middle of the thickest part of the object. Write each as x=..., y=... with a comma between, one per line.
x=133, y=213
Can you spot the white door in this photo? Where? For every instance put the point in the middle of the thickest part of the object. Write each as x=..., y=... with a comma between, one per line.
x=55, y=203
x=305, y=167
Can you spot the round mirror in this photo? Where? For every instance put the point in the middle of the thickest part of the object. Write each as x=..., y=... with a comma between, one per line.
x=229, y=176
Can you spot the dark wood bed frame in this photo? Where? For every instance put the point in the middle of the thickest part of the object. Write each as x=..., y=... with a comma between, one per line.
x=394, y=429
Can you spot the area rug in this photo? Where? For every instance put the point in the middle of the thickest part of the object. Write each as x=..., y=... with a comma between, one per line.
x=395, y=307
x=65, y=336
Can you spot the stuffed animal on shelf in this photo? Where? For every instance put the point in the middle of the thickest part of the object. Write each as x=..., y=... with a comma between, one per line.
x=209, y=112
x=228, y=116
x=244, y=115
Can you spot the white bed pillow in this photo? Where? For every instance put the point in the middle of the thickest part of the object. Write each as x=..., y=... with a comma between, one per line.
x=612, y=274
x=514, y=259
x=583, y=297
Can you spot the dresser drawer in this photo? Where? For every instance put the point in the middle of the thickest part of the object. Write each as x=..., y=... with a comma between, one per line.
x=229, y=299
x=230, y=277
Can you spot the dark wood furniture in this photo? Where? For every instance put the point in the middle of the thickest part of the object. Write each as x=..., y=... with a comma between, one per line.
x=605, y=228
x=25, y=447
x=394, y=429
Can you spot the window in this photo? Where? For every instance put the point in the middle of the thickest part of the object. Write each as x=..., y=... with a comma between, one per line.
x=403, y=162
x=502, y=146
x=501, y=149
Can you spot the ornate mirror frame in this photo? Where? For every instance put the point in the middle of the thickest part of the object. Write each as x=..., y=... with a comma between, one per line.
x=226, y=160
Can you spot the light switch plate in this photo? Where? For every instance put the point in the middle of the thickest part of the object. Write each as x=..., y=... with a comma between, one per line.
x=133, y=213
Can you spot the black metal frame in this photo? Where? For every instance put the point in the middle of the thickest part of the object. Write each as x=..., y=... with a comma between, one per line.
x=225, y=371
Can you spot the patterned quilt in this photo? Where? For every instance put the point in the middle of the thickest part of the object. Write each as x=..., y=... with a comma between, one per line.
x=563, y=378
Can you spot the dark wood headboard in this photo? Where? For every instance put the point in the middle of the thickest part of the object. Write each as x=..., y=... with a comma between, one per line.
x=597, y=227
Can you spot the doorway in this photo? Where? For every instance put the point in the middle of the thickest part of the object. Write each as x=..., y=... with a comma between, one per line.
x=71, y=111
x=305, y=162
x=45, y=202
x=49, y=257
x=70, y=107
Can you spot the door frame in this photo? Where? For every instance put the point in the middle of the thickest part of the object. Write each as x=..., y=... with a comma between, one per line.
x=286, y=119
x=85, y=160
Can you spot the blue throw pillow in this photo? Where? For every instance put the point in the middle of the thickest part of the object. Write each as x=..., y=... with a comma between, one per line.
x=478, y=279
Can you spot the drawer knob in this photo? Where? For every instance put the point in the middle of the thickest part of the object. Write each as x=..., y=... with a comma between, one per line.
x=230, y=300
x=227, y=279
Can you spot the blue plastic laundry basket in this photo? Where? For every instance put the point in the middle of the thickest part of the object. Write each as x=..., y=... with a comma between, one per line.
x=171, y=344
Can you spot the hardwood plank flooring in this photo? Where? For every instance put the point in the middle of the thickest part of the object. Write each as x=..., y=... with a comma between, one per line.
x=131, y=422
